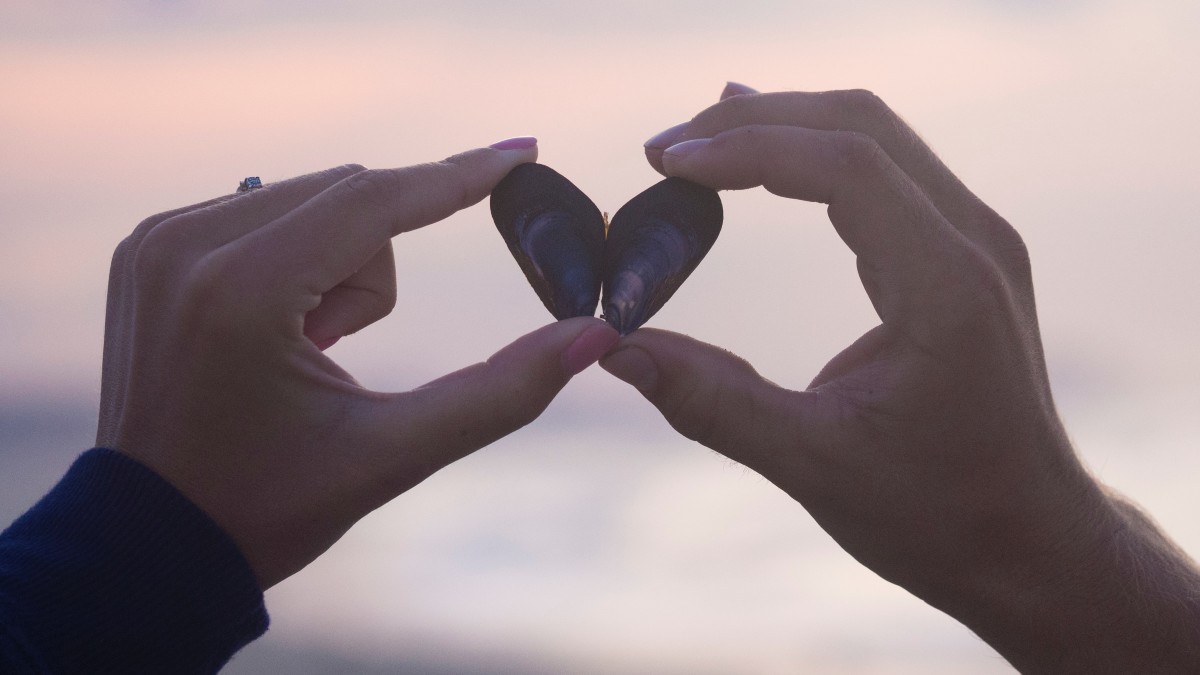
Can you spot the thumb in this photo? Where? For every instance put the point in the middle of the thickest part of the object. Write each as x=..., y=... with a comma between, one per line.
x=425, y=429
x=712, y=396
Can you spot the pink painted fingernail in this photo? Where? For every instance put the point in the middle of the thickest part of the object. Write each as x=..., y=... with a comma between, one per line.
x=666, y=137
x=687, y=147
x=589, y=347
x=514, y=143
x=326, y=344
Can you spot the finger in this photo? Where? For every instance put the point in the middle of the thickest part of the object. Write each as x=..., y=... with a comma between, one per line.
x=198, y=227
x=228, y=218
x=714, y=398
x=863, y=112
x=661, y=141
x=251, y=210
x=665, y=139
x=129, y=246
x=418, y=432
x=365, y=297
x=118, y=344
x=925, y=268
x=855, y=110
x=118, y=319
x=332, y=235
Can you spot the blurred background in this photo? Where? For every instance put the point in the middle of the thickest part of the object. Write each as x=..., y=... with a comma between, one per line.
x=596, y=540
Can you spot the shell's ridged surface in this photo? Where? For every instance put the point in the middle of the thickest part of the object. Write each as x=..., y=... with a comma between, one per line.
x=557, y=236
x=654, y=242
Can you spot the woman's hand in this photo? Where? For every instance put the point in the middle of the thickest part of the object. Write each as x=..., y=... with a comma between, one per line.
x=213, y=373
x=930, y=448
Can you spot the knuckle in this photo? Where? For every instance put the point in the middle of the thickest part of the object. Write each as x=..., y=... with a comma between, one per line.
x=133, y=241
x=444, y=186
x=865, y=111
x=201, y=295
x=371, y=186
x=710, y=117
x=428, y=192
x=1009, y=248
x=121, y=256
x=333, y=175
x=860, y=153
x=735, y=106
x=148, y=224
x=159, y=249
x=213, y=271
x=1015, y=257
x=723, y=115
x=986, y=293
x=864, y=103
x=519, y=408
x=370, y=306
x=211, y=293
x=343, y=172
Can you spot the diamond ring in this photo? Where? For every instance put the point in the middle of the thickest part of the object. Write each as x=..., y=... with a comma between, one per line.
x=249, y=183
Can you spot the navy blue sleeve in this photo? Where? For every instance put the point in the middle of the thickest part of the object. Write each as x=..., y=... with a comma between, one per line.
x=115, y=571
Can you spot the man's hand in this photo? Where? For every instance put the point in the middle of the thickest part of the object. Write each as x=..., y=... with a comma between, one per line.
x=930, y=449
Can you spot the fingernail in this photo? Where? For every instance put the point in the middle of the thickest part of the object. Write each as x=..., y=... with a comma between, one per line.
x=736, y=89
x=588, y=348
x=664, y=138
x=515, y=143
x=326, y=344
x=633, y=366
x=687, y=147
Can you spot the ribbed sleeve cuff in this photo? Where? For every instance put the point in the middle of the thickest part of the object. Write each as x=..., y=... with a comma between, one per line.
x=115, y=571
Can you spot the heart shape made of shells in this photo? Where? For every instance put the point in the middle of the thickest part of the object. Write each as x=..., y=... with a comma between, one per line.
x=559, y=239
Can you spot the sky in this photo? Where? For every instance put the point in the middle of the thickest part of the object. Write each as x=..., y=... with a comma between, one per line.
x=597, y=540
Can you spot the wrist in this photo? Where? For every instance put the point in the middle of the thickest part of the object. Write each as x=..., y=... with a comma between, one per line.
x=1107, y=593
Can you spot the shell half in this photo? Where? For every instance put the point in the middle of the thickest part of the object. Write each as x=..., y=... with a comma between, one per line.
x=557, y=236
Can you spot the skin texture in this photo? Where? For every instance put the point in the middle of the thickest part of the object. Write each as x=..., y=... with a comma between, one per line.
x=213, y=377
x=930, y=448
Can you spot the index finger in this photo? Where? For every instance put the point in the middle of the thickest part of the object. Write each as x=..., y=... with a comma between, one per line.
x=928, y=273
x=851, y=110
x=332, y=235
x=860, y=111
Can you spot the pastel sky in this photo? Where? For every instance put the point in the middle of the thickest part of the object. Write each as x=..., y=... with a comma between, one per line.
x=596, y=540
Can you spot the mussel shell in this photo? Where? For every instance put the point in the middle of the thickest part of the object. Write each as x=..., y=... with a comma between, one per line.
x=556, y=234
x=654, y=242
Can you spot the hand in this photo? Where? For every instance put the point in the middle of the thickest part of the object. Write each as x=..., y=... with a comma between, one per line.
x=213, y=378
x=930, y=448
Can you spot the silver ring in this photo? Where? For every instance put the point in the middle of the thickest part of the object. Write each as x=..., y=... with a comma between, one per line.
x=249, y=183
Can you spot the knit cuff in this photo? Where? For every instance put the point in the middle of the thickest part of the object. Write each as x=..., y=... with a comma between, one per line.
x=116, y=571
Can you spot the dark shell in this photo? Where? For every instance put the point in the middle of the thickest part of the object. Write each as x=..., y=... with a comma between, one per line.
x=654, y=242
x=557, y=236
